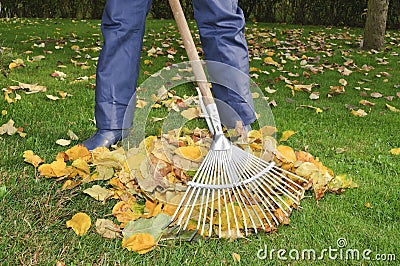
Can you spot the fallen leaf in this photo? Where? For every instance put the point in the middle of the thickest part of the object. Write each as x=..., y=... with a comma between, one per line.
x=392, y=108
x=287, y=134
x=57, y=168
x=305, y=88
x=367, y=103
x=8, y=128
x=368, y=205
x=340, y=182
x=376, y=95
x=80, y=223
x=395, y=151
x=141, y=243
x=269, y=90
x=78, y=151
x=107, y=228
x=99, y=193
x=190, y=113
x=359, y=113
x=270, y=61
x=125, y=212
x=52, y=97
x=337, y=90
x=72, y=135
x=140, y=103
x=31, y=158
x=343, y=82
x=153, y=226
x=314, y=95
x=190, y=152
x=285, y=154
x=317, y=109
x=236, y=257
x=63, y=142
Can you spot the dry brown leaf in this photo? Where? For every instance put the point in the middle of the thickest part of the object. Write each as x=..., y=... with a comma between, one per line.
x=107, y=228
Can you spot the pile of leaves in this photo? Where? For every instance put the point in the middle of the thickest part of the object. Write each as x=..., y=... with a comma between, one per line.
x=148, y=181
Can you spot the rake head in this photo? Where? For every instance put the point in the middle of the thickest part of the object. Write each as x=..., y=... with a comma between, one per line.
x=234, y=191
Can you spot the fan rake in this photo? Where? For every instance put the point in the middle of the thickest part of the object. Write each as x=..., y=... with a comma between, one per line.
x=232, y=191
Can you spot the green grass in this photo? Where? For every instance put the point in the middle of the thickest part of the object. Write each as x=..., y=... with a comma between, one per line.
x=33, y=211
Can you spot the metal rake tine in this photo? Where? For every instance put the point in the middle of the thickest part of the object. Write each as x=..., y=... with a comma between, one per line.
x=301, y=189
x=236, y=194
x=202, y=179
x=237, y=171
x=195, y=233
x=245, y=186
x=272, y=182
x=187, y=199
x=228, y=173
x=205, y=176
x=212, y=206
x=208, y=190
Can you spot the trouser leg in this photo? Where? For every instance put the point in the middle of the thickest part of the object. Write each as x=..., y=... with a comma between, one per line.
x=221, y=25
x=123, y=25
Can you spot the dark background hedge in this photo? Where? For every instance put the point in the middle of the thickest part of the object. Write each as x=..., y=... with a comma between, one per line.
x=307, y=12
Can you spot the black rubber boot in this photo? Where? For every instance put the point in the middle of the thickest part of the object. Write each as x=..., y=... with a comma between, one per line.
x=105, y=138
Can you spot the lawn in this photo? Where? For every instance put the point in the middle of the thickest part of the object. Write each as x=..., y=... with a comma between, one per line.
x=34, y=210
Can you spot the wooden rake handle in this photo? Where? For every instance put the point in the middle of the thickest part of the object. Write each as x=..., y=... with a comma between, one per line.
x=191, y=52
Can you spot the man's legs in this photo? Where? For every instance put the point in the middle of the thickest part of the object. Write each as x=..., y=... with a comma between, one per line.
x=221, y=25
x=123, y=25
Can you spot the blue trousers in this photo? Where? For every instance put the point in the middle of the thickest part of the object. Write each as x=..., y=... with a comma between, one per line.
x=221, y=26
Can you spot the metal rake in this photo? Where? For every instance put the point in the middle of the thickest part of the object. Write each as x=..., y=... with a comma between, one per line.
x=233, y=191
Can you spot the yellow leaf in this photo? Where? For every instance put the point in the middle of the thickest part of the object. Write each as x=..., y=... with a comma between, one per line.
x=285, y=154
x=80, y=223
x=255, y=69
x=317, y=109
x=392, y=108
x=153, y=208
x=125, y=212
x=12, y=65
x=79, y=151
x=368, y=205
x=31, y=158
x=81, y=167
x=99, y=193
x=270, y=61
x=141, y=243
x=190, y=152
x=147, y=62
x=287, y=134
x=140, y=103
x=395, y=151
x=70, y=184
x=190, y=113
x=57, y=168
x=236, y=257
x=359, y=113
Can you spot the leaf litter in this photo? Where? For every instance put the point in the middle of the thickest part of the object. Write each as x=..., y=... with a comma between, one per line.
x=147, y=182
